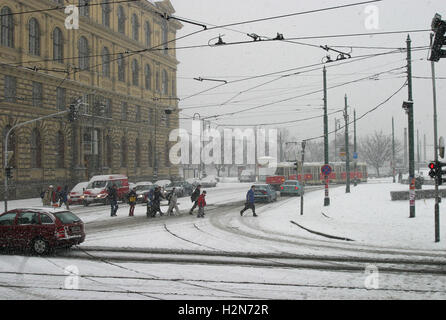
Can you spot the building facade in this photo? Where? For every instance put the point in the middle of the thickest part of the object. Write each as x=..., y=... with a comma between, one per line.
x=119, y=65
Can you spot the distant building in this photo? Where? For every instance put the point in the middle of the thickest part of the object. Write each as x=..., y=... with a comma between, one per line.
x=44, y=67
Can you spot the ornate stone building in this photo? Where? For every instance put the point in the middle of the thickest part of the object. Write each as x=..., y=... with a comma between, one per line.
x=124, y=90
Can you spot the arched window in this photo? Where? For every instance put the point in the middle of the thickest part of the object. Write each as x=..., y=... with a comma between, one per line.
x=121, y=20
x=84, y=60
x=148, y=77
x=6, y=28
x=137, y=154
x=105, y=62
x=36, y=149
x=165, y=83
x=150, y=151
x=106, y=13
x=148, y=34
x=135, y=72
x=135, y=27
x=60, y=159
x=121, y=68
x=123, y=152
x=11, y=146
x=34, y=37
x=57, y=45
x=157, y=81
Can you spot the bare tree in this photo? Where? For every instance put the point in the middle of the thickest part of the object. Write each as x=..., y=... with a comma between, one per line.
x=376, y=149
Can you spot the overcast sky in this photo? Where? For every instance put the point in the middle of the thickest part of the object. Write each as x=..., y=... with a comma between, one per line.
x=236, y=62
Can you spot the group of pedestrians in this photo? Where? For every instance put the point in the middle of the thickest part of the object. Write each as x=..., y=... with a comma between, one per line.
x=155, y=195
x=55, y=197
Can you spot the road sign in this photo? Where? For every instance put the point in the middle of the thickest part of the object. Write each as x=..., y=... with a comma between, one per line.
x=326, y=169
x=355, y=155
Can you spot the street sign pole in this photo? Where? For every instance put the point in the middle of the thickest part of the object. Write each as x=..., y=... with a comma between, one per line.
x=303, y=180
x=326, y=170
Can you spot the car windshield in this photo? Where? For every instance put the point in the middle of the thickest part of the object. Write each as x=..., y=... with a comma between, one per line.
x=79, y=187
x=142, y=187
x=261, y=187
x=67, y=217
x=97, y=184
x=290, y=183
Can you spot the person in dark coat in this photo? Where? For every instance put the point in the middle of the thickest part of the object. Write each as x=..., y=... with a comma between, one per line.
x=132, y=201
x=113, y=198
x=156, y=203
x=194, y=198
x=63, y=197
x=249, y=204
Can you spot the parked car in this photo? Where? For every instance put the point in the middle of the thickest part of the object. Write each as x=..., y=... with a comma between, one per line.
x=96, y=191
x=264, y=192
x=291, y=187
x=131, y=185
x=208, y=182
x=142, y=191
x=163, y=183
x=40, y=229
x=247, y=176
x=182, y=188
x=193, y=181
x=74, y=197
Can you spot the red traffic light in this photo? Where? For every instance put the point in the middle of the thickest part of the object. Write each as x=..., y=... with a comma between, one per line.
x=431, y=165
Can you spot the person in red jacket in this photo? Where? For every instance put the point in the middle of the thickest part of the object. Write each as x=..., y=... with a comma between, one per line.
x=201, y=204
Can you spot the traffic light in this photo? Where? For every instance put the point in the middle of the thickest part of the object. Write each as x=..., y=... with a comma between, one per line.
x=8, y=172
x=432, y=170
x=436, y=171
x=439, y=28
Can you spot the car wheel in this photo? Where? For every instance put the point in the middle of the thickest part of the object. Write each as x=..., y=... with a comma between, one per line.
x=40, y=246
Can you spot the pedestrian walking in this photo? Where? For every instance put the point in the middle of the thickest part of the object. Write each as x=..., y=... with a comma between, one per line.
x=156, y=203
x=132, y=201
x=194, y=198
x=113, y=198
x=47, y=198
x=201, y=204
x=173, y=198
x=55, y=196
x=150, y=202
x=63, y=197
x=249, y=204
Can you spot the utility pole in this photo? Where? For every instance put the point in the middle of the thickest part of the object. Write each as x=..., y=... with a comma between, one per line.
x=393, y=150
x=347, y=154
x=405, y=149
x=326, y=198
x=303, y=180
x=355, y=151
x=424, y=148
x=411, y=130
x=335, y=140
x=437, y=197
x=418, y=152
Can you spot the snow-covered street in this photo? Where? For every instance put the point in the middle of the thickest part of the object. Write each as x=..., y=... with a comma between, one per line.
x=226, y=256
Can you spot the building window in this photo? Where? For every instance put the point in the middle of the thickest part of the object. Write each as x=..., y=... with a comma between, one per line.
x=109, y=151
x=135, y=27
x=11, y=146
x=123, y=152
x=60, y=159
x=106, y=13
x=108, y=108
x=135, y=72
x=37, y=94
x=121, y=20
x=124, y=111
x=148, y=77
x=7, y=28
x=61, y=101
x=34, y=37
x=121, y=67
x=157, y=81
x=57, y=45
x=105, y=62
x=165, y=37
x=10, y=89
x=84, y=60
x=165, y=83
x=36, y=149
x=84, y=9
x=137, y=154
x=148, y=34
x=173, y=87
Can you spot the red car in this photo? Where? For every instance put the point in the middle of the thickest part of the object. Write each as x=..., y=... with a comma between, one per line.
x=40, y=229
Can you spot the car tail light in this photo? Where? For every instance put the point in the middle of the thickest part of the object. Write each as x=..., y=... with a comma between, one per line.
x=281, y=188
x=297, y=188
x=61, y=233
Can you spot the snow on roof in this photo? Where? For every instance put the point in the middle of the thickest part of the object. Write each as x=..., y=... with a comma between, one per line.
x=108, y=177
